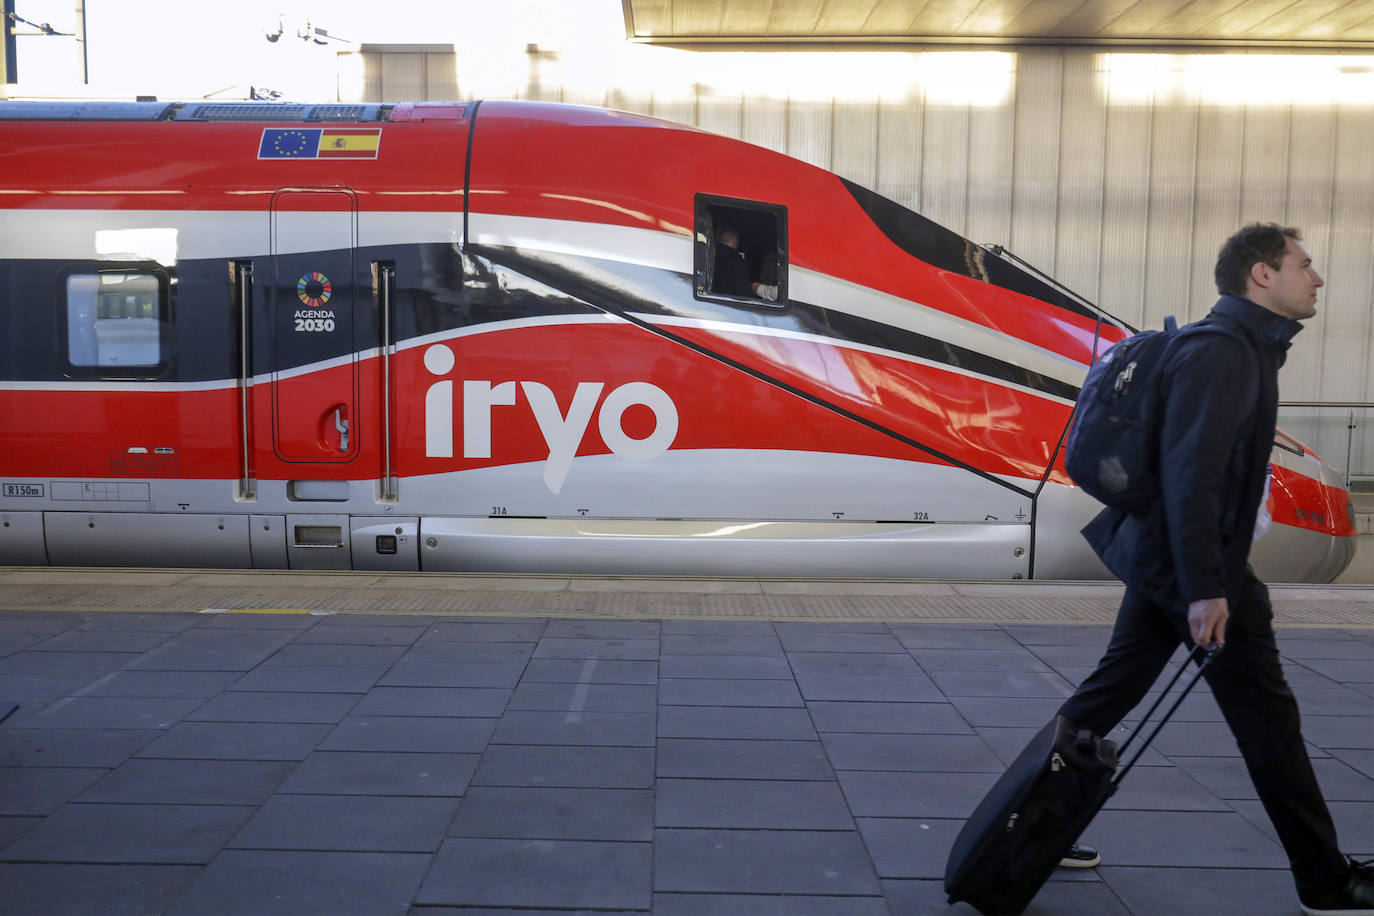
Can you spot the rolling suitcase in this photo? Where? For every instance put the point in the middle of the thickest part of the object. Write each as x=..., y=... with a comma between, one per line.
x=1016, y=836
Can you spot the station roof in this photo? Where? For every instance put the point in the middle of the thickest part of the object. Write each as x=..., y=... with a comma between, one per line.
x=1316, y=24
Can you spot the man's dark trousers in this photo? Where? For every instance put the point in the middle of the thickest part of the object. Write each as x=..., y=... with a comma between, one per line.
x=1250, y=688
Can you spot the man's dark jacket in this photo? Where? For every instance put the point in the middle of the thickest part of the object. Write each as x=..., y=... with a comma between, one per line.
x=1220, y=396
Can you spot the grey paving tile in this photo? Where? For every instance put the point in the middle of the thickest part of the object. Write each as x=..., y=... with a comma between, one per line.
x=605, y=729
x=344, y=635
x=909, y=847
x=189, y=782
x=726, y=666
x=40, y=791
x=721, y=644
x=312, y=679
x=351, y=620
x=1186, y=839
x=703, y=627
x=911, y=753
x=13, y=827
x=1001, y=684
x=108, y=712
x=152, y=834
x=236, y=741
x=248, y=706
x=202, y=684
x=1006, y=712
x=751, y=804
x=742, y=759
x=375, y=773
x=197, y=658
x=587, y=696
x=434, y=701
x=1056, y=898
x=735, y=722
x=822, y=638
x=1354, y=824
x=342, y=823
x=766, y=905
x=450, y=674
x=892, y=718
x=539, y=873
x=604, y=671
x=602, y=629
x=38, y=690
x=1003, y=660
x=329, y=656
x=1165, y=789
x=923, y=795
x=1197, y=739
x=240, y=622
x=727, y=692
x=1346, y=649
x=70, y=747
x=1227, y=777
x=114, y=890
x=455, y=652
x=797, y=862
x=865, y=664
x=573, y=767
x=103, y=641
x=291, y=883
x=1040, y=634
x=877, y=688
x=1341, y=701
x=869, y=627
x=611, y=649
x=1339, y=731
x=1203, y=891
x=919, y=636
x=56, y=664
x=410, y=733
x=1361, y=759
x=556, y=814
x=480, y=631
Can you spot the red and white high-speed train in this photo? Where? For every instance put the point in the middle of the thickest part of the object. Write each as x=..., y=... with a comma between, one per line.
x=508, y=336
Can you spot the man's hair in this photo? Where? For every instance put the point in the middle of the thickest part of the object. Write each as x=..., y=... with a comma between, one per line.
x=1256, y=243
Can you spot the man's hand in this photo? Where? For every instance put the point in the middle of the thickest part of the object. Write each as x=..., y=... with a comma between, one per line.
x=1207, y=621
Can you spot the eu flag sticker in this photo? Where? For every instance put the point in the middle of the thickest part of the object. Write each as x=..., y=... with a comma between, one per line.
x=289, y=143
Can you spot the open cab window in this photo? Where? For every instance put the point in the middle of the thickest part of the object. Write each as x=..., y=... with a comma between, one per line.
x=117, y=321
x=740, y=251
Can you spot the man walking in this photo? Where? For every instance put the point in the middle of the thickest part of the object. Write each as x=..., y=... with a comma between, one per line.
x=1185, y=565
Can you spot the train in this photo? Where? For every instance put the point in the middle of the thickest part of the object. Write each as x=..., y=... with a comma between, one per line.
x=526, y=337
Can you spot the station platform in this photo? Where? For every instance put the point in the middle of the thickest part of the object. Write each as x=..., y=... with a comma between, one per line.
x=299, y=743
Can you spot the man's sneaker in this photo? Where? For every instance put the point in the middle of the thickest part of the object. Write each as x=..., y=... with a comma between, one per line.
x=1080, y=856
x=1354, y=898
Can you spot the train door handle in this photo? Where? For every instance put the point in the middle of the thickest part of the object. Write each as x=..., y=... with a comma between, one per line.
x=341, y=424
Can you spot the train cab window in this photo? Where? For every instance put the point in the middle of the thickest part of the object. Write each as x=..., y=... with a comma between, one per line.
x=740, y=252
x=116, y=322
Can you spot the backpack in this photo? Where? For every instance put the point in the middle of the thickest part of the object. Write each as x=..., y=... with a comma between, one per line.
x=1112, y=452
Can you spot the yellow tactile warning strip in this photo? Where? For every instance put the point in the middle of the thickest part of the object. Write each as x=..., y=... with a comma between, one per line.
x=271, y=592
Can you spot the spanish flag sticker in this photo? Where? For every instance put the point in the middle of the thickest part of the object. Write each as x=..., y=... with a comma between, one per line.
x=320, y=143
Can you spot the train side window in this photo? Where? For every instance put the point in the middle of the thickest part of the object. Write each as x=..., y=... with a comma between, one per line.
x=116, y=321
x=740, y=251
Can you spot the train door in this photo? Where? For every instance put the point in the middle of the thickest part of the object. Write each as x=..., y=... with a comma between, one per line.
x=312, y=310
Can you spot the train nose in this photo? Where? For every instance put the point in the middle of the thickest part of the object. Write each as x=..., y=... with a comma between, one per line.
x=1313, y=537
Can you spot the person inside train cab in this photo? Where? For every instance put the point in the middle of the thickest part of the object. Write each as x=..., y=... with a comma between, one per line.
x=1185, y=560
x=731, y=276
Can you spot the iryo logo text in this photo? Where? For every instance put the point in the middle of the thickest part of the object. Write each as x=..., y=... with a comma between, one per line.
x=562, y=432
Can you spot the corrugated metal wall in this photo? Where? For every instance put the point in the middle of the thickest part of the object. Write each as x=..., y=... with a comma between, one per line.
x=1118, y=175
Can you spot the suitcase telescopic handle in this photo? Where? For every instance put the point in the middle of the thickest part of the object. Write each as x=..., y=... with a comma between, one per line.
x=1205, y=659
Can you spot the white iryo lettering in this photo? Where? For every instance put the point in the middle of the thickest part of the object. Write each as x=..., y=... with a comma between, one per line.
x=562, y=432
